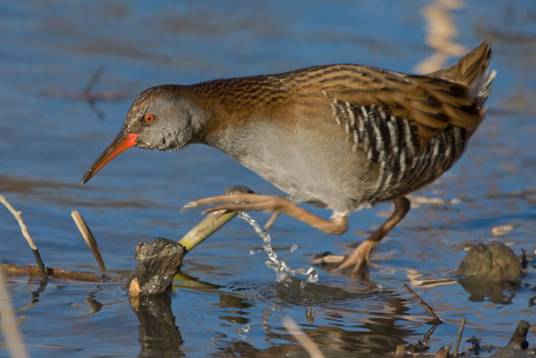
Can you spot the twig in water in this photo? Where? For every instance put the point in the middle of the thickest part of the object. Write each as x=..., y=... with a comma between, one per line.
x=88, y=237
x=428, y=334
x=423, y=303
x=12, y=336
x=27, y=237
x=54, y=273
x=302, y=338
x=460, y=335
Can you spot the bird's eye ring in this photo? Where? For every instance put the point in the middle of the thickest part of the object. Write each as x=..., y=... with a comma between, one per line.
x=149, y=118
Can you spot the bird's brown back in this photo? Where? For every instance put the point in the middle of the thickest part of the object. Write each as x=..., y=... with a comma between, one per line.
x=431, y=102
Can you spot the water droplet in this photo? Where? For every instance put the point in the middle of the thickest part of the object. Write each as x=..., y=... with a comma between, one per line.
x=244, y=330
x=283, y=272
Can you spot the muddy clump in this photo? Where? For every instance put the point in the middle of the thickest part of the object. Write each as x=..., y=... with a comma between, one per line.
x=490, y=271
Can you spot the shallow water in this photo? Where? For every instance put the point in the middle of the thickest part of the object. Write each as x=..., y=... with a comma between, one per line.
x=50, y=51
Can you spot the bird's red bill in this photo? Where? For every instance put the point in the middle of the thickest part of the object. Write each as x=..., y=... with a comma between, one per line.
x=118, y=146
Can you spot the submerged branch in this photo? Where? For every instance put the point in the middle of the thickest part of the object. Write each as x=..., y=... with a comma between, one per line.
x=52, y=272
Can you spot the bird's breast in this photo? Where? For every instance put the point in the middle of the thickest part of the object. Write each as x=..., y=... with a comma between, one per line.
x=310, y=159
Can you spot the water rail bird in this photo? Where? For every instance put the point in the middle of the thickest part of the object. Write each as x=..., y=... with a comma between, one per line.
x=340, y=136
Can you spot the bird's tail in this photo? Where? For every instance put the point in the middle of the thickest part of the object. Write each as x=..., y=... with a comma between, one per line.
x=473, y=71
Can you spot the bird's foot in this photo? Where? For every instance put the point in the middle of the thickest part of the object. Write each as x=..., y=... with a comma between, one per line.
x=240, y=202
x=268, y=225
x=356, y=263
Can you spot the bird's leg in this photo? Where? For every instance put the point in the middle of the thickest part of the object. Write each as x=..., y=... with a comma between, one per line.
x=252, y=202
x=359, y=259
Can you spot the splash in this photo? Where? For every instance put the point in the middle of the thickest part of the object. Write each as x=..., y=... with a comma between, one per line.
x=283, y=272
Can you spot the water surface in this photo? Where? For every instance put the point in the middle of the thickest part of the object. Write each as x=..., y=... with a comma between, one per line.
x=52, y=48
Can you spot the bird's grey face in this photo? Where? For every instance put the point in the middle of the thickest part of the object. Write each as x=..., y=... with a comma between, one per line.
x=158, y=119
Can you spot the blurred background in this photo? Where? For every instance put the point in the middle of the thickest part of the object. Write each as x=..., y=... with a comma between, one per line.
x=69, y=71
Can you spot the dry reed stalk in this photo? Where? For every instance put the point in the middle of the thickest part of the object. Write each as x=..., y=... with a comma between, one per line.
x=13, y=338
x=459, y=336
x=26, y=234
x=88, y=237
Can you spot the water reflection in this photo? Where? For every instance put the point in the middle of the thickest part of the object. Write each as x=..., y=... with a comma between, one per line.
x=94, y=305
x=47, y=142
x=496, y=292
x=158, y=334
x=375, y=333
x=441, y=33
x=326, y=319
x=374, y=336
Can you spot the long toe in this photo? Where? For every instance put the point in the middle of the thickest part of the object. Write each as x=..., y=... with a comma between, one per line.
x=358, y=261
x=327, y=260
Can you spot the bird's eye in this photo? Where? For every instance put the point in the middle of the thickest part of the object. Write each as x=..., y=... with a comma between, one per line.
x=149, y=118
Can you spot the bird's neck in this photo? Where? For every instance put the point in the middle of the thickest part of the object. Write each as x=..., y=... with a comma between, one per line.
x=225, y=109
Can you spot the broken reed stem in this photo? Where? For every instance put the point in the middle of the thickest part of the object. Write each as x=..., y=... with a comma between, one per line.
x=302, y=338
x=459, y=336
x=26, y=234
x=88, y=237
x=12, y=336
x=519, y=338
x=205, y=228
x=423, y=303
x=212, y=222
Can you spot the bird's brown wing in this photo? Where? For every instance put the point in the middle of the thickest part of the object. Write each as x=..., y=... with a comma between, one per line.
x=432, y=103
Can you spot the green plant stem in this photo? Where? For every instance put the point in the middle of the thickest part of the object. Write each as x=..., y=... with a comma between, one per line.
x=209, y=225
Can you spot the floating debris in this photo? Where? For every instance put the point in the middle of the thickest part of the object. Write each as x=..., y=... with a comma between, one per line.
x=414, y=278
x=501, y=230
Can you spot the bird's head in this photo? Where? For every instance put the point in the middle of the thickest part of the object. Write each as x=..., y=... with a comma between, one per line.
x=160, y=118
